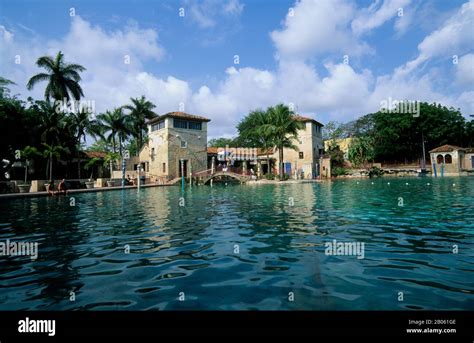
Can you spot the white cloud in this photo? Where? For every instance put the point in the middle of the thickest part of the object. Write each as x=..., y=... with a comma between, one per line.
x=375, y=16
x=455, y=37
x=465, y=70
x=6, y=35
x=340, y=91
x=207, y=13
x=316, y=27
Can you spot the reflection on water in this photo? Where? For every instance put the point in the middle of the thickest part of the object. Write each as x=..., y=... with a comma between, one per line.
x=245, y=247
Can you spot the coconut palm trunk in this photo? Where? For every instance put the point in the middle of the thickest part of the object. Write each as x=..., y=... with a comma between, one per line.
x=50, y=165
x=281, y=171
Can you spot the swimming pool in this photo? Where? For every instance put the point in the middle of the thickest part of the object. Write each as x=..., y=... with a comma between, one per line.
x=244, y=247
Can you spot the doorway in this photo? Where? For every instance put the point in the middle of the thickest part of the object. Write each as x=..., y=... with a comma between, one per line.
x=185, y=168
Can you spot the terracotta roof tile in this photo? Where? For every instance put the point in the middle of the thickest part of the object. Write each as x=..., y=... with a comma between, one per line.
x=95, y=154
x=306, y=119
x=180, y=115
x=446, y=148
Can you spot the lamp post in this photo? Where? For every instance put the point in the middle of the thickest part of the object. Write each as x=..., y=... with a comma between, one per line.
x=182, y=174
x=126, y=156
x=190, y=175
x=139, y=169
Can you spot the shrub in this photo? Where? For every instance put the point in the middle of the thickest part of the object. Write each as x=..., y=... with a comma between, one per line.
x=269, y=176
x=375, y=171
x=339, y=171
x=285, y=177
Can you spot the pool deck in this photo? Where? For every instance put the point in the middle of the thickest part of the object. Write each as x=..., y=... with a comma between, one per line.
x=75, y=191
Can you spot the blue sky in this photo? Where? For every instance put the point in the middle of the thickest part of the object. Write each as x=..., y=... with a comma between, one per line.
x=291, y=52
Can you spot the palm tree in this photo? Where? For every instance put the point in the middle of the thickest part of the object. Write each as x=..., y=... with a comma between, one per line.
x=140, y=110
x=63, y=78
x=81, y=124
x=283, y=129
x=252, y=131
x=27, y=153
x=4, y=83
x=51, y=152
x=51, y=122
x=117, y=125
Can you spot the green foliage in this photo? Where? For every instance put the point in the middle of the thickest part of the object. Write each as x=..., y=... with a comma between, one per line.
x=276, y=127
x=269, y=176
x=337, y=156
x=4, y=83
x=253, y=130
x=141, y=110
x=398, y=136
x=63, y=79
x=338, y=171
x=375, y=172
x=118, y=126
x=332, y=130
x=283, y=177
x=222, y=142
x=361, y=150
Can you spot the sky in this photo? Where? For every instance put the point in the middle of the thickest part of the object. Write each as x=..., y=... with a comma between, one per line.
x=326, y=59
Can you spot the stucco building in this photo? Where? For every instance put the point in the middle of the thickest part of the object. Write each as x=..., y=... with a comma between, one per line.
x=303, y=162
x=177, y=136
x=173, y=137
x=451, y=160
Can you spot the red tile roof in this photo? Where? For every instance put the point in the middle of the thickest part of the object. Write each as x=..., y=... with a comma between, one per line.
x=93, y=154
x=179, y=115
x=306, y=119
x=446, y=148
x=212, y=150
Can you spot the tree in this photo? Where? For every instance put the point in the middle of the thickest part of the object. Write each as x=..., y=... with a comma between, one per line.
x=282, y=130
x=110, y=157
x=140, y=111
x=398, y=136
x=117, y=125
x=361, y=151
x=81, y=125
x=4, y=83
x=27, y=153
x=332, y=130
x=222, y=142
x=63, y=78
x=51, y=152
x=254, y=132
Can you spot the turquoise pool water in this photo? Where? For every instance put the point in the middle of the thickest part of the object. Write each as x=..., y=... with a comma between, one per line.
x=245, y=247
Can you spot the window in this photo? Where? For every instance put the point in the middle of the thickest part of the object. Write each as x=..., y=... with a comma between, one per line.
x=448, y=159
x=185, y=124
x=158, y=126
x=180, y=124
x=301, y=155
x=439, y=159
x=184, y=144
x=164, y=167
x=195, y=125
x=152, y=154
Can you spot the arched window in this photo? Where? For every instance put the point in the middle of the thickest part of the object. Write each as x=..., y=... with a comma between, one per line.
x=448, y=159
x=439, y=159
